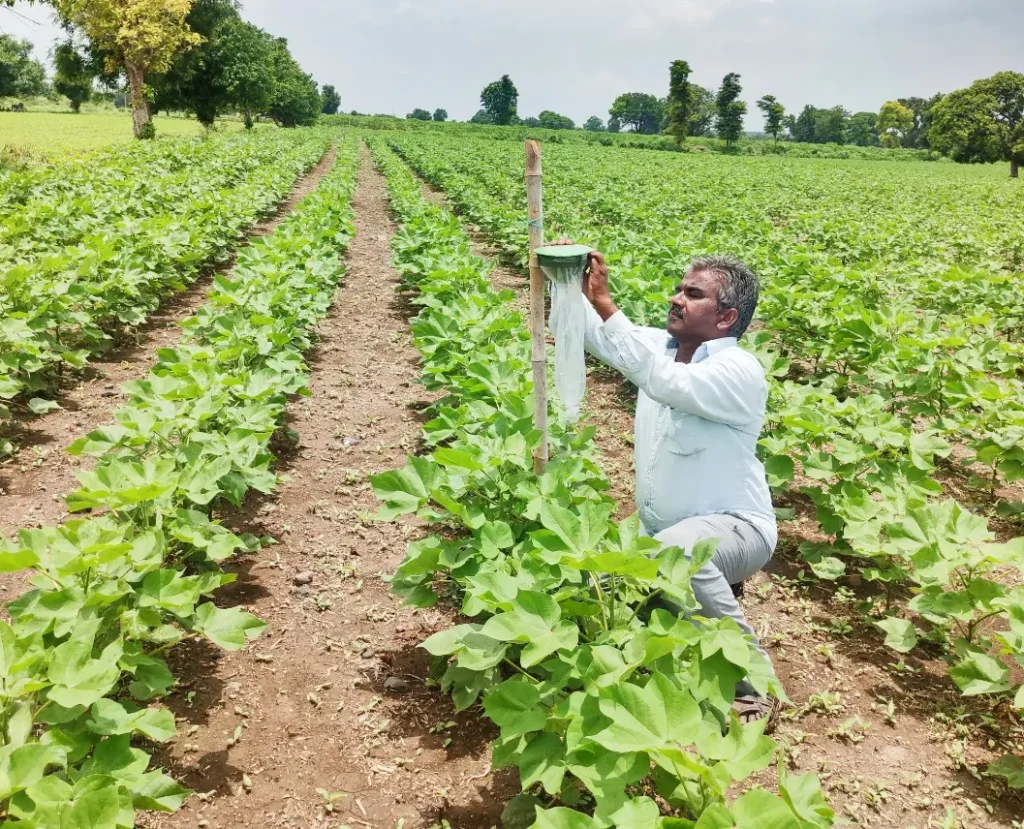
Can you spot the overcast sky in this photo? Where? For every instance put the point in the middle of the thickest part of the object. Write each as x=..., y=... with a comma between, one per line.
x=575, y=56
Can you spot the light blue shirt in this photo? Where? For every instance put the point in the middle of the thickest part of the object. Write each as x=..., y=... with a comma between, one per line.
x=697, y=424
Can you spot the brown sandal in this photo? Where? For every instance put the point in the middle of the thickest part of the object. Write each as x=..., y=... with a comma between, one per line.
x=750, y=709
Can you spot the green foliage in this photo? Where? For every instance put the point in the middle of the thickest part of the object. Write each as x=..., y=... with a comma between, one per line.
x=330, y=100
x=74, y=75
x=83, y=656
x=894, y=124
x=982, y=123
x=702, y=117
x=553, y=121
x=680, y=101
x=296, y=99
x=73, y=278
x=614, y=125
x=592, y=693
x=500, y=99
x=594, y=124
x=440, y=115
x=21, y=75
x=862, y=129
x=482, y=116
x=729, y=123
x=639, y=111
x=820, y=126
x=249, y=70
x=419, y=115
x=774, y=114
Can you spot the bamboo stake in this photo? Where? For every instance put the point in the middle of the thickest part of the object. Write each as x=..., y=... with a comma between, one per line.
x=538, y=339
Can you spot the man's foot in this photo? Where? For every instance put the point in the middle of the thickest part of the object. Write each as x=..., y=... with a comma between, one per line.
x=751, y=708
x=737, y=590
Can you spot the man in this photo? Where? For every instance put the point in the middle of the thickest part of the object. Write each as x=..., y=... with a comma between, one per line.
x=700, y=410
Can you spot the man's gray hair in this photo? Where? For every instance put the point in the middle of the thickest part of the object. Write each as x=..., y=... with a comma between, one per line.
x=738, y=287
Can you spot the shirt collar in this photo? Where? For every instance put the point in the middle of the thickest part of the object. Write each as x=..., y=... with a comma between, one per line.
x=706, y=349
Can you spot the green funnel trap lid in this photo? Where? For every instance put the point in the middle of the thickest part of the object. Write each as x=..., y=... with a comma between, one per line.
x=553, y=256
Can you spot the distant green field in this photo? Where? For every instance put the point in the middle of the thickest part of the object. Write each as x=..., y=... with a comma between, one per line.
x=51, y=135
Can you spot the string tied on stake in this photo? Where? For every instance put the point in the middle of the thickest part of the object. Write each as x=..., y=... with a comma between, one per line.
x=537, y=223
x=563, y=265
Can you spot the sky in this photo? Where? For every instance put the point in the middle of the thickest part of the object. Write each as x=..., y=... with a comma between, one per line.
x=576, y=56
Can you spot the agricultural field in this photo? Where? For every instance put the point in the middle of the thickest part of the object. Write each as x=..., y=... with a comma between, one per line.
x=300, y=564
x=56, y=135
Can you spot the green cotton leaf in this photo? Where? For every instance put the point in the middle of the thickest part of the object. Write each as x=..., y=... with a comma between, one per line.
x=829, y=568
x=730, y=641
x=742, y=751
x=779, y=470
x=229, y=628
x=924, y=446
x=617, y=564
x=638, y=813
x=803, y=794
x=514, y=706
x=95, y=809
x=1010, y=767
x=520, y=812
x=11, y=561
x=980, y=673
x=109, y=718
x=405, y=490
x=543, y=761
x=115, y=757
x=564, y=524
x=716, y=816
x=447, y=641
x=759, y=809
x=648, y=718
x=40, y=407
x=157, y=792
x=495, y=536
x=77, y=678
x=562, y=818
x=24, y=766
x=901, y=635
x=535, y=620
x=458, y=459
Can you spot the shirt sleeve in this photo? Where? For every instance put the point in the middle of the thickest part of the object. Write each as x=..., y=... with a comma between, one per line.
x=596, y=340
x=727, y=391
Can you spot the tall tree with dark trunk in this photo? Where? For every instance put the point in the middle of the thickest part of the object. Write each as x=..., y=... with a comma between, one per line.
x=500, y=100
x=729, y=124
x=137, y=36
x=702, y=116
x=983, y=123
x=680, y=100
x=774, y=113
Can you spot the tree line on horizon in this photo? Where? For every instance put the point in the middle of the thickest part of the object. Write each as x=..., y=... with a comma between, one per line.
x=983, y=123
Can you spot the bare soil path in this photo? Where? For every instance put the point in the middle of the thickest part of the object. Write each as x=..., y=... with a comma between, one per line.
x=331, y=707
x=34, y=482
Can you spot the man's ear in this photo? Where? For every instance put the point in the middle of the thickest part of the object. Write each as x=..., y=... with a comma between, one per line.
x=728, y=319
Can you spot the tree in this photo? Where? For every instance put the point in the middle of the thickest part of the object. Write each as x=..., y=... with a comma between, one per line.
x=21, y=75
x=895, y=121
x=830, y=125
x=500, y=100
x=614, y=125
x=418, y=115
x=862, y=129
x=702, y=118
x=74, y=75
x=983, y=123
x=594, y=124
x=194, y=81
x=729, y=124
x=331, y=100
x=642, y=112
x=774, y=113
x=250, y=76
x=680, y=100
x=440, y=115
x=482, y=117
x=802, y=128
x=553, y=121
x=138, y=36
x=531, y=122
x=296, y=100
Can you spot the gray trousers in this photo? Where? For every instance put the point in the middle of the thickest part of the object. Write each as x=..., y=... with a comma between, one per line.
x=742, y=551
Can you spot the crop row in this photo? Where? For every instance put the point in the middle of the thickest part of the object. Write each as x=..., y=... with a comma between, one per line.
x=83, y=657
x=100, y=255
x=871, y=399
x=596, y=695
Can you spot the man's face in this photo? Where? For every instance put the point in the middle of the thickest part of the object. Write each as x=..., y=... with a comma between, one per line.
x=693, y=311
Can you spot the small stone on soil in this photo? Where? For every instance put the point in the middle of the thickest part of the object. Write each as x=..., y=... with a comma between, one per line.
x=396, y=684
x=305, y=577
